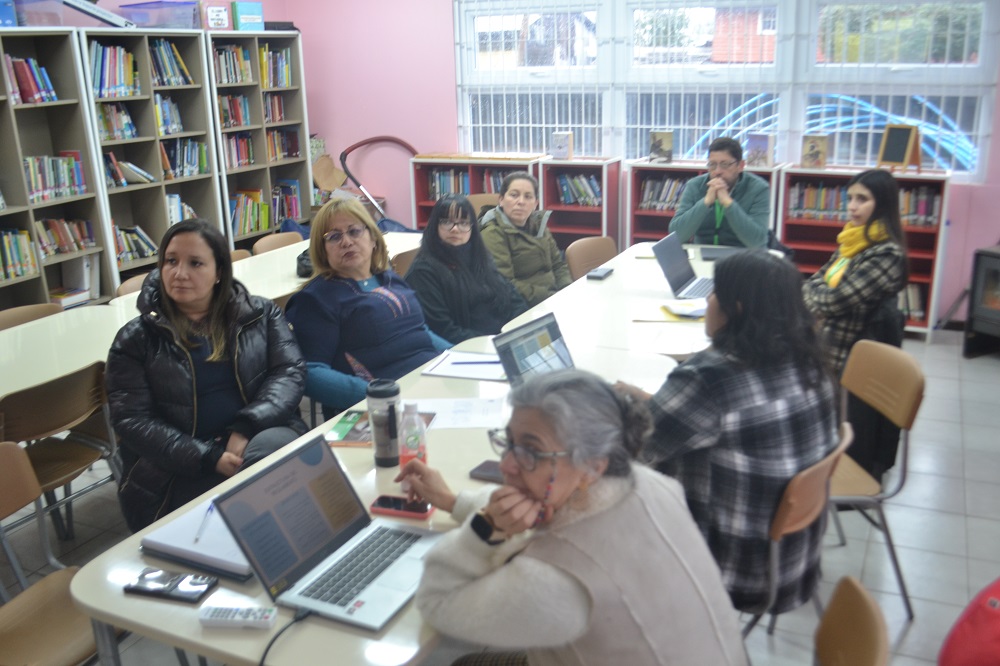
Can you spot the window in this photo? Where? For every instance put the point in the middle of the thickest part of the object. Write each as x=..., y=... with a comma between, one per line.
x=613, y=70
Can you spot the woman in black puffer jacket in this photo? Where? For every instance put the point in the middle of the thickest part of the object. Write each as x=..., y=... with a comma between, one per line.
x=206, y=381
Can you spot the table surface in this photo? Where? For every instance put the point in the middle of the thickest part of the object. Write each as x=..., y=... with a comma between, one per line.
x=597, y=320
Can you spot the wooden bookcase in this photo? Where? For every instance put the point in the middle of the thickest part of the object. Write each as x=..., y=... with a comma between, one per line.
x=648, y=218
x=147, y=205
x=260, y=132
x=578, y=209
x=436, y=174
x=46, y=129
x=812, y=211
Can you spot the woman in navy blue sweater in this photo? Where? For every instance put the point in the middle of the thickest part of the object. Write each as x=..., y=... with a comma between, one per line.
x=355, y=320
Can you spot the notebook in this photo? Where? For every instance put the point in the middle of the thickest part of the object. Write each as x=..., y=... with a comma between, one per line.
x=676, y=267
x=313, y=545
x=531, y=349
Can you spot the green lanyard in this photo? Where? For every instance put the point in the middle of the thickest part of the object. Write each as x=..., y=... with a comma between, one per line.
x=720, y=213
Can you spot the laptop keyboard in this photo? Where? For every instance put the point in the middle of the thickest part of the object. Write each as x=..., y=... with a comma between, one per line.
x=351, y=575
x=700, y=288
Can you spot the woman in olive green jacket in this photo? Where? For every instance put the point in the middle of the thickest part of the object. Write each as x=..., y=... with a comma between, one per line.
x=521, y=244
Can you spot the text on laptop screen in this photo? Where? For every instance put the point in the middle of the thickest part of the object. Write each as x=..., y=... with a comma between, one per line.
x=534, y=348
x=290, y=516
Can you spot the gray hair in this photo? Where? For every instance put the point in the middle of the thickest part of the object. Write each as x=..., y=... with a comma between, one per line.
x=592, y=420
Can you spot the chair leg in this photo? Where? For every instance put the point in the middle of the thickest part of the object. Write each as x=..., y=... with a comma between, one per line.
x=895, y=561
x=43, y=536
x=56, y=516
x=817, y=604
x=182, y=657
x=15, y=564
x=748, y=627
x=68, y=515
x=836, y=523
x=772, y=624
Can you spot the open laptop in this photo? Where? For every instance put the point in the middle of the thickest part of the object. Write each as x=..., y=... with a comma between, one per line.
x=531, y=349
x=676, y=267
x=301, y=525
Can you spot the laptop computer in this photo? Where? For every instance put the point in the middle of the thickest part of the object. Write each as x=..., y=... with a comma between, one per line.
x=676, y=267
x=531, y=349
x=713, y=252
x=313, y=545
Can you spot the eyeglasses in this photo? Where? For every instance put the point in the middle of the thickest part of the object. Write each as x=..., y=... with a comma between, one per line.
x=463, y=225
x=354, y=233
x=526, y=458
x=712, y=166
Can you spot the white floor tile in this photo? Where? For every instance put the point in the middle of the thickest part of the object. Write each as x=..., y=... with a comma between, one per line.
x=929, y=576
x=983, y=536
x=925, y=529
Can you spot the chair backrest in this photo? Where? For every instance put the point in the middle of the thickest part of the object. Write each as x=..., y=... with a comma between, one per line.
x=241, y=254
x=401, y=262
x=852, y=631
x=585, y=254
x=805, y=497
x=23, y=314
x=274, y=241
x=131, y=285
x=54, y=406
x=18, y=484
x=886, y=378
x=490, y=199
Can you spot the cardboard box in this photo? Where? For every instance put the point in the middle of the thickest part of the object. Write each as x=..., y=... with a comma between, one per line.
x=248, y=16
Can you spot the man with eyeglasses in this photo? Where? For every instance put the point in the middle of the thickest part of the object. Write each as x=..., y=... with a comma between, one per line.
x=726, y=206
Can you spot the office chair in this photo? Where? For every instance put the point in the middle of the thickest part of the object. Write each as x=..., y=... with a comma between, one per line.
x=240, y=255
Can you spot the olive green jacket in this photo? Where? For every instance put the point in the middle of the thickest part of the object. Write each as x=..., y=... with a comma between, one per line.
x=526, y=256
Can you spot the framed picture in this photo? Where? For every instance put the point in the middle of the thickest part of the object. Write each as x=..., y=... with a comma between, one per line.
x=900, y=146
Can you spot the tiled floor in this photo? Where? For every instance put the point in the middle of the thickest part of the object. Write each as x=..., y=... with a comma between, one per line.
x=946, y=524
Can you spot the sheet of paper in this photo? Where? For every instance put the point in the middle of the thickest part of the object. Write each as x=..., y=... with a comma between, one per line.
x=464, y=412
x=467, y=365
x=687, y=307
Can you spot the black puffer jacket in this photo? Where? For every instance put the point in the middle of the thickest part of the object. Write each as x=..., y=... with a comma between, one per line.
x=151, y=391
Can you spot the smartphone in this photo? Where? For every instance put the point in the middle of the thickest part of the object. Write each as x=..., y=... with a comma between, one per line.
x=488, y=470
x=599, y=273
x=400, y=507
x=174, y=585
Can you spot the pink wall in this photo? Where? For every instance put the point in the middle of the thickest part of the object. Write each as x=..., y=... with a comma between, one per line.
x=380, y=67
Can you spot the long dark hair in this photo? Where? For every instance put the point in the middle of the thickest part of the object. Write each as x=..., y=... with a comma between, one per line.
x=767, y=322
x=216, y=322
x=885, y=190
x=479, y=267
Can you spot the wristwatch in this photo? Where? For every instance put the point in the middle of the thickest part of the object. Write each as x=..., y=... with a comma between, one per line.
x=482, y=524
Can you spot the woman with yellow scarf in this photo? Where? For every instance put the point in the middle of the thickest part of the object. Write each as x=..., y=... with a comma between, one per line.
x=855, y=294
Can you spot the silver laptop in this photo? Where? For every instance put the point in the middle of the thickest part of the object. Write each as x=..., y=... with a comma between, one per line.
x=313, y=545
x=531, y=349
x=676, y=267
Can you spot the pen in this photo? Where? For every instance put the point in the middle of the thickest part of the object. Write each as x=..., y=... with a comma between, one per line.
x=476, y=363
x=204, y=522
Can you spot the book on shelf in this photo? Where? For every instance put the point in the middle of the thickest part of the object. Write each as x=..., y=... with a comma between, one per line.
x=274, y=109
x=282, y=144
x=168, y=65
x=32, y=81
x=114, y=71
x=181, y=158
x=577, y=189
x=83, y=274
x=134, y=174
x=112, y=171
x=561, y=146
x=759, y=150
x=814, y=150
x=115, y=122
x=661, y=193
x=911, y=302
x=249, y=212
x=12, y=89
x=168, y=115
x=661, y=146
x=275, y=65
x=3, y=202
x=52, y=177
x=17, y=253
x=232, y=64
x=59, y=236
x=248, y=15
x=177, y=210
x=132, y=243
x=239, y=150
x=447, y=181
x=234, y=110
x=68, y=298
x=286, y=199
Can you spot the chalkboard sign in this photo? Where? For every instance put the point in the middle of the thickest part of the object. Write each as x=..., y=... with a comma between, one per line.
x=900, y=146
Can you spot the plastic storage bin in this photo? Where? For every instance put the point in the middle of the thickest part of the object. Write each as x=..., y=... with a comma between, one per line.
x=39, y=12
x=163, y=14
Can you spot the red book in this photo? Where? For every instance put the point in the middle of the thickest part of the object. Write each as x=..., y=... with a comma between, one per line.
x=30, y=94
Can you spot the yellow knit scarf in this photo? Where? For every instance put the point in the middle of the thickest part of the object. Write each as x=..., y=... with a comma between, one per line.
x=852, y=241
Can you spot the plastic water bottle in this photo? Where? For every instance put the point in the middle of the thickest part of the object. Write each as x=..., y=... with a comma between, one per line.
x=413, y=435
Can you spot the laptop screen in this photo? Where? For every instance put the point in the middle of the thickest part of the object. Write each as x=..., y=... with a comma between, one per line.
x=674, y=263
x=294, y=514
x=531, y=349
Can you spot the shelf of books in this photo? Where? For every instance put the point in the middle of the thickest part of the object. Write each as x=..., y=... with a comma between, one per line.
x=813, y=209
x=437, y=174
x=151, y=114
x=53, y=241
x=653, y=190
x=582, y=194
x=263, y=132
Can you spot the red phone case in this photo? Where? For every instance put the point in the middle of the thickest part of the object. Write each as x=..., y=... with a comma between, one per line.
x=386, y=511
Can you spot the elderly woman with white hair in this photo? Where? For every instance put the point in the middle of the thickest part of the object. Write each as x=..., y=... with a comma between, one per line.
x=582, y=556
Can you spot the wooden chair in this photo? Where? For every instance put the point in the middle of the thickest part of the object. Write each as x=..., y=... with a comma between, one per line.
x=76, y=402
x=803, y=502
x=41, y=625
x=585, y=254
x=401, y=262
x=852, y=631
x=889, y=380
x=274, y=241
x=23, y=314
x=241, y=254
x=131, y=285
x=478, y=201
